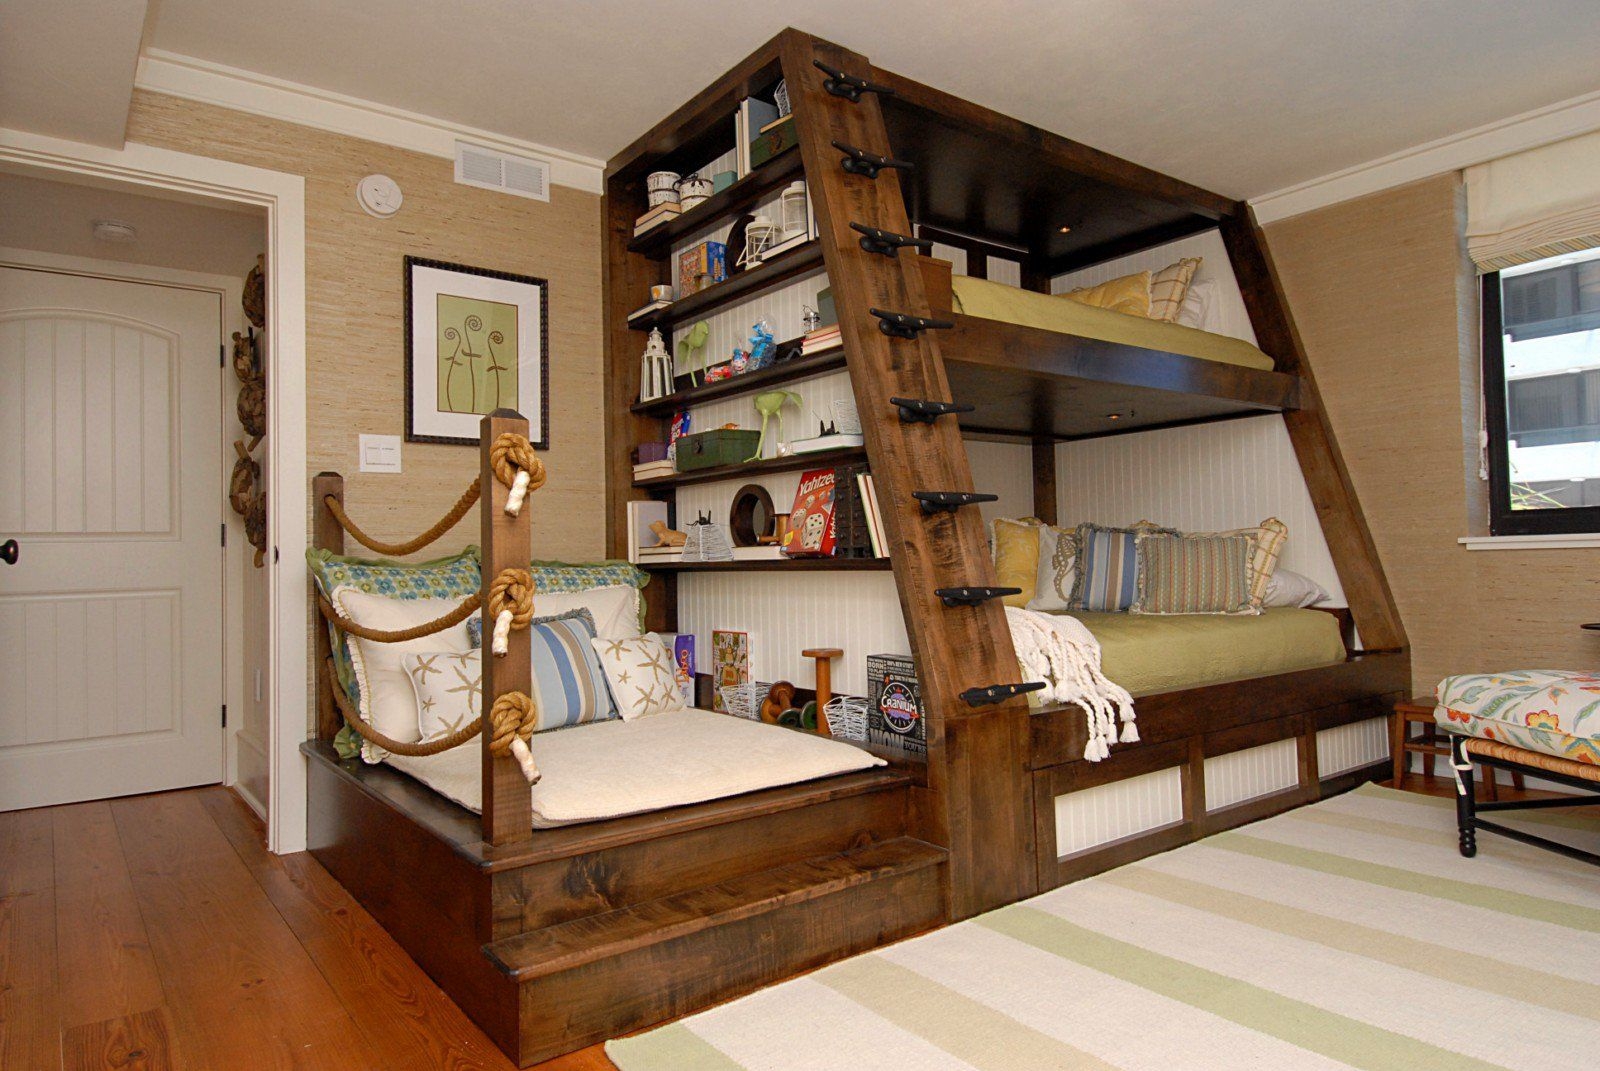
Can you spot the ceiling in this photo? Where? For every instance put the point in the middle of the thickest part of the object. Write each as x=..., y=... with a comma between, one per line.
x=1243, y=97
x=55, y=217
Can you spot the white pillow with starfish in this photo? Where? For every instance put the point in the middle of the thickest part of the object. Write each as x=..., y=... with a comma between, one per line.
x=639, y=672
x=449, y=686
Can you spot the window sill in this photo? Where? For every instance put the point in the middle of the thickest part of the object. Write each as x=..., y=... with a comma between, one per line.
x=1562, y=541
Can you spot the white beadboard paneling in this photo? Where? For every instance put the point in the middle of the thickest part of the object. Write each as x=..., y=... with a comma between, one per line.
x=1109, y=812
x=786, y=614
x=1008, y=272
x=45, y=695
x=817, y=395
x=75, y=384
x=1004, y=469
x=1257, y=771
x=1233, y=319
x=1201, y=478
x=1345, y=747
x=782, y=308
x=956, y=256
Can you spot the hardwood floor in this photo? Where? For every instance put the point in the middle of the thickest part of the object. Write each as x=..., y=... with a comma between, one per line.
x=157, y=932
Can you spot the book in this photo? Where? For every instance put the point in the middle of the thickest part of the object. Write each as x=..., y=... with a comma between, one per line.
x=647, y=309
x=896, y=721
x=701, y=265
x=682, y=648
x=730, y=664
x=640, y=516
x=754, y=113
x=811, y=532
x=649, y=470
x=764, y=553
x=851, y=538
x=828, y=441
x=823, y=338
x=869, y=498
x=655, y=217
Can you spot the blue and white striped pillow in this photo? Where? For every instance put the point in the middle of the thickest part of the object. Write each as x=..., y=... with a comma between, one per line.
x=1108, y=566
x=567, y=675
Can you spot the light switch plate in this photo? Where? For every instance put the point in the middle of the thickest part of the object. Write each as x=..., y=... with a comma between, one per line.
x=380, y=453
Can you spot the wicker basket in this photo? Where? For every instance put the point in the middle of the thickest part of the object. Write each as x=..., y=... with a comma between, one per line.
x=847, y=717
x=744, y=700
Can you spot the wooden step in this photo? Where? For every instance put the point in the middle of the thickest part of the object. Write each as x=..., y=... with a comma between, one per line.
x=569, y=945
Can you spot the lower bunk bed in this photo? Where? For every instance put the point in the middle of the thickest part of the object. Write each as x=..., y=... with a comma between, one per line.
x=1239, y=718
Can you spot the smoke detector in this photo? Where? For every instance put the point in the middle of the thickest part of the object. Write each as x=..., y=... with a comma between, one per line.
x=114, y=230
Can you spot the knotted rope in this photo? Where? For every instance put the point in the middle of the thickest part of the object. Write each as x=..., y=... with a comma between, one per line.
x=443, y=525
x=468, y=607
x=510, y=604
x=516, y=466
x=513, y=717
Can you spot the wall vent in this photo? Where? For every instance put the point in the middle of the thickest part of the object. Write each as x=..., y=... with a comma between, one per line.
x=491, y=169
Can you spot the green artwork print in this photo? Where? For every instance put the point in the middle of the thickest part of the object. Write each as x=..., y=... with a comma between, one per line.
x=477, y=355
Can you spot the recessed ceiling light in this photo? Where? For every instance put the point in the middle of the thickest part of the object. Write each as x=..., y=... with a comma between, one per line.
x=1113, y=416
x=114, y=230
x=1066, y=230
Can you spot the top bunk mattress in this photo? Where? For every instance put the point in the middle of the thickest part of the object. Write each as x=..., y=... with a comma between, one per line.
x=1148, y=654
x=996, y=301
x=614, y=768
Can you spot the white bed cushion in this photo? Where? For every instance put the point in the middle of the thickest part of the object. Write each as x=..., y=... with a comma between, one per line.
x=388, y=701
x=641, y=675
x=613, y=768
x=615, y=608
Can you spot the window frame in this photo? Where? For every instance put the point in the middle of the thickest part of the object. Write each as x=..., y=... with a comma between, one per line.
x=1503, y=520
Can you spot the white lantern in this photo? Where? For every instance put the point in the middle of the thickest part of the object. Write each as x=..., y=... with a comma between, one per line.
x=794, y=210
x=760, y=235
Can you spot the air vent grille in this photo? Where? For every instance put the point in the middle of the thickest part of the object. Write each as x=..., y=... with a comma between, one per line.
x=491, y=169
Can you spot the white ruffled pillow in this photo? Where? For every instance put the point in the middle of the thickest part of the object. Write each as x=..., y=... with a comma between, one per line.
x=388, y=701
x=615, y=608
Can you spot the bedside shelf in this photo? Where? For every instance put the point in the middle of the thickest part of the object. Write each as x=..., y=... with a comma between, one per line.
x=656, y=243
x=802, y=565
x=748, y=383
x=820, y=459
x=780, y=269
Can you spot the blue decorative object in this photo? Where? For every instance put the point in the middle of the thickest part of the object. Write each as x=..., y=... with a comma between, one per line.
x=762, y=349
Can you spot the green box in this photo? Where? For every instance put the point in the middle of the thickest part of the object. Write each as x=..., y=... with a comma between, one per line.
x=779, y=139
x=709, y=449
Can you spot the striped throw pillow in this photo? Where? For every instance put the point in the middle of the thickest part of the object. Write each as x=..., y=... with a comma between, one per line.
x=1194, y=574
x=1108, y=566
x=1169, y=286
x=567, y=676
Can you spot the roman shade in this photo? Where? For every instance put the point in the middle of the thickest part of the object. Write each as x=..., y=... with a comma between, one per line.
x=1534, y=204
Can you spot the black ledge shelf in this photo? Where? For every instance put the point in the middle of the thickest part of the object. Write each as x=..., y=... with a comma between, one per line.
x=656, y=243
x=819, y=459
x=803, y=565
x=748, y=383
x=780, y=269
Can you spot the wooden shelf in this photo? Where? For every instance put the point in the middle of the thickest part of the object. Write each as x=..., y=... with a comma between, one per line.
x=656, y=243
x=748, y=383
x=780, y=269
x=777, y=565
x=820, y=459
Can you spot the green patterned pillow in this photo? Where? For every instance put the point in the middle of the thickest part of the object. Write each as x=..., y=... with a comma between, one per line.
x=454, y=577
x=1208, y=573
x=554, y=576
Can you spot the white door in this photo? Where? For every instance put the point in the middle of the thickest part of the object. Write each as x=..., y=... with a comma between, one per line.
x=110, y=482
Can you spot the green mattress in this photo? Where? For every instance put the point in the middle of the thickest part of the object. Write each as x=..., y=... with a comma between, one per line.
x=1147, y=654
x=996, y=301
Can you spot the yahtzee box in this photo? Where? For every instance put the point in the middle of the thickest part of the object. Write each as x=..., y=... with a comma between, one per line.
x=896, y=721
x=811, y=530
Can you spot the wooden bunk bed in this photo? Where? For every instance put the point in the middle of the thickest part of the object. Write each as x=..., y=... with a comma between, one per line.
x=997, y=187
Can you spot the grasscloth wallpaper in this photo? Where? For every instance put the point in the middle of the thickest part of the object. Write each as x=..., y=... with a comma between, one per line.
x=355, y=312
x=1386, y=303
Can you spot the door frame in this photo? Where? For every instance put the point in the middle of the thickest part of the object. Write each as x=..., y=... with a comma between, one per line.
x=282, y=196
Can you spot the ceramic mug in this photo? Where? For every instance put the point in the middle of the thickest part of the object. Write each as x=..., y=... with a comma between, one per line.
x=661, y=292
x=692, y=190
x=662, y=186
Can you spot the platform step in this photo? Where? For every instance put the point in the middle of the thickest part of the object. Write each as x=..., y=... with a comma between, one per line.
x=568, y=945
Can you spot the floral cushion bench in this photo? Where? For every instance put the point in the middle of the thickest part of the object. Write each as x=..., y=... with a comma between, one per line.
x=1555, y=712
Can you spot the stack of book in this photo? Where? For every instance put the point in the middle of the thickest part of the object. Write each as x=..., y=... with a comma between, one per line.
x=655, y=217
x=646, y=309
x=869, y=501
x=650, y=470
x=823, y=338
x=643, y=544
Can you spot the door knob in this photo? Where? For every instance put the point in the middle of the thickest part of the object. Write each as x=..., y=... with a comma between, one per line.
x=8, y=551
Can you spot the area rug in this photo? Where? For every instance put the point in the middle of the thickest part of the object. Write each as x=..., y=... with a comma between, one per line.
x=1345, y=934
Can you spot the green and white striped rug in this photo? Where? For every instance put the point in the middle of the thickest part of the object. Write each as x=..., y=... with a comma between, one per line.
x=1345, y=934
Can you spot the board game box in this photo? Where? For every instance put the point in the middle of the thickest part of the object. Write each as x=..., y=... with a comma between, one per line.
x=811, y=529
x=896, y=721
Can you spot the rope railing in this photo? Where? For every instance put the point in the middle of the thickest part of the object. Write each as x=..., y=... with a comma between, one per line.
x=468, y=499
x=517, y=467
x=511, y=605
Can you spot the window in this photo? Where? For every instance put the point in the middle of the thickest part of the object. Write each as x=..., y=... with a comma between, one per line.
x=1541, y=381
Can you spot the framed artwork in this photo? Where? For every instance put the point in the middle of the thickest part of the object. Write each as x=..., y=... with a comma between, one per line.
x=730, y=664
x=476, y=341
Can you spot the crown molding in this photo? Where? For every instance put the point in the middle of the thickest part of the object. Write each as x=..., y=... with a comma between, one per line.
x=275, y=98
x=1555, y=122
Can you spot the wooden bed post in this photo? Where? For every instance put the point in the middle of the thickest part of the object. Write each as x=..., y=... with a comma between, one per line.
x=507, y=542
x=1350, y=544
x=326, y=534
x=979, y=800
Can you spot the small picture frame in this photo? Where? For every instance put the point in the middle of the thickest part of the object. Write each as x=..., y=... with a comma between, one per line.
x=476, y=341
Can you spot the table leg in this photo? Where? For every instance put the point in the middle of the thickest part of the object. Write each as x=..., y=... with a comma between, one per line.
x=1397, y=746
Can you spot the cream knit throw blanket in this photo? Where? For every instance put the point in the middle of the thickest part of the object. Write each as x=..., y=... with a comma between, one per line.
x=1064, y=654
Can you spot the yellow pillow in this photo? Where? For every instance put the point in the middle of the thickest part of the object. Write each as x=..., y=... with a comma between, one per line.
x=1128, y=293
x=1168, y=287
x=1016, y=557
